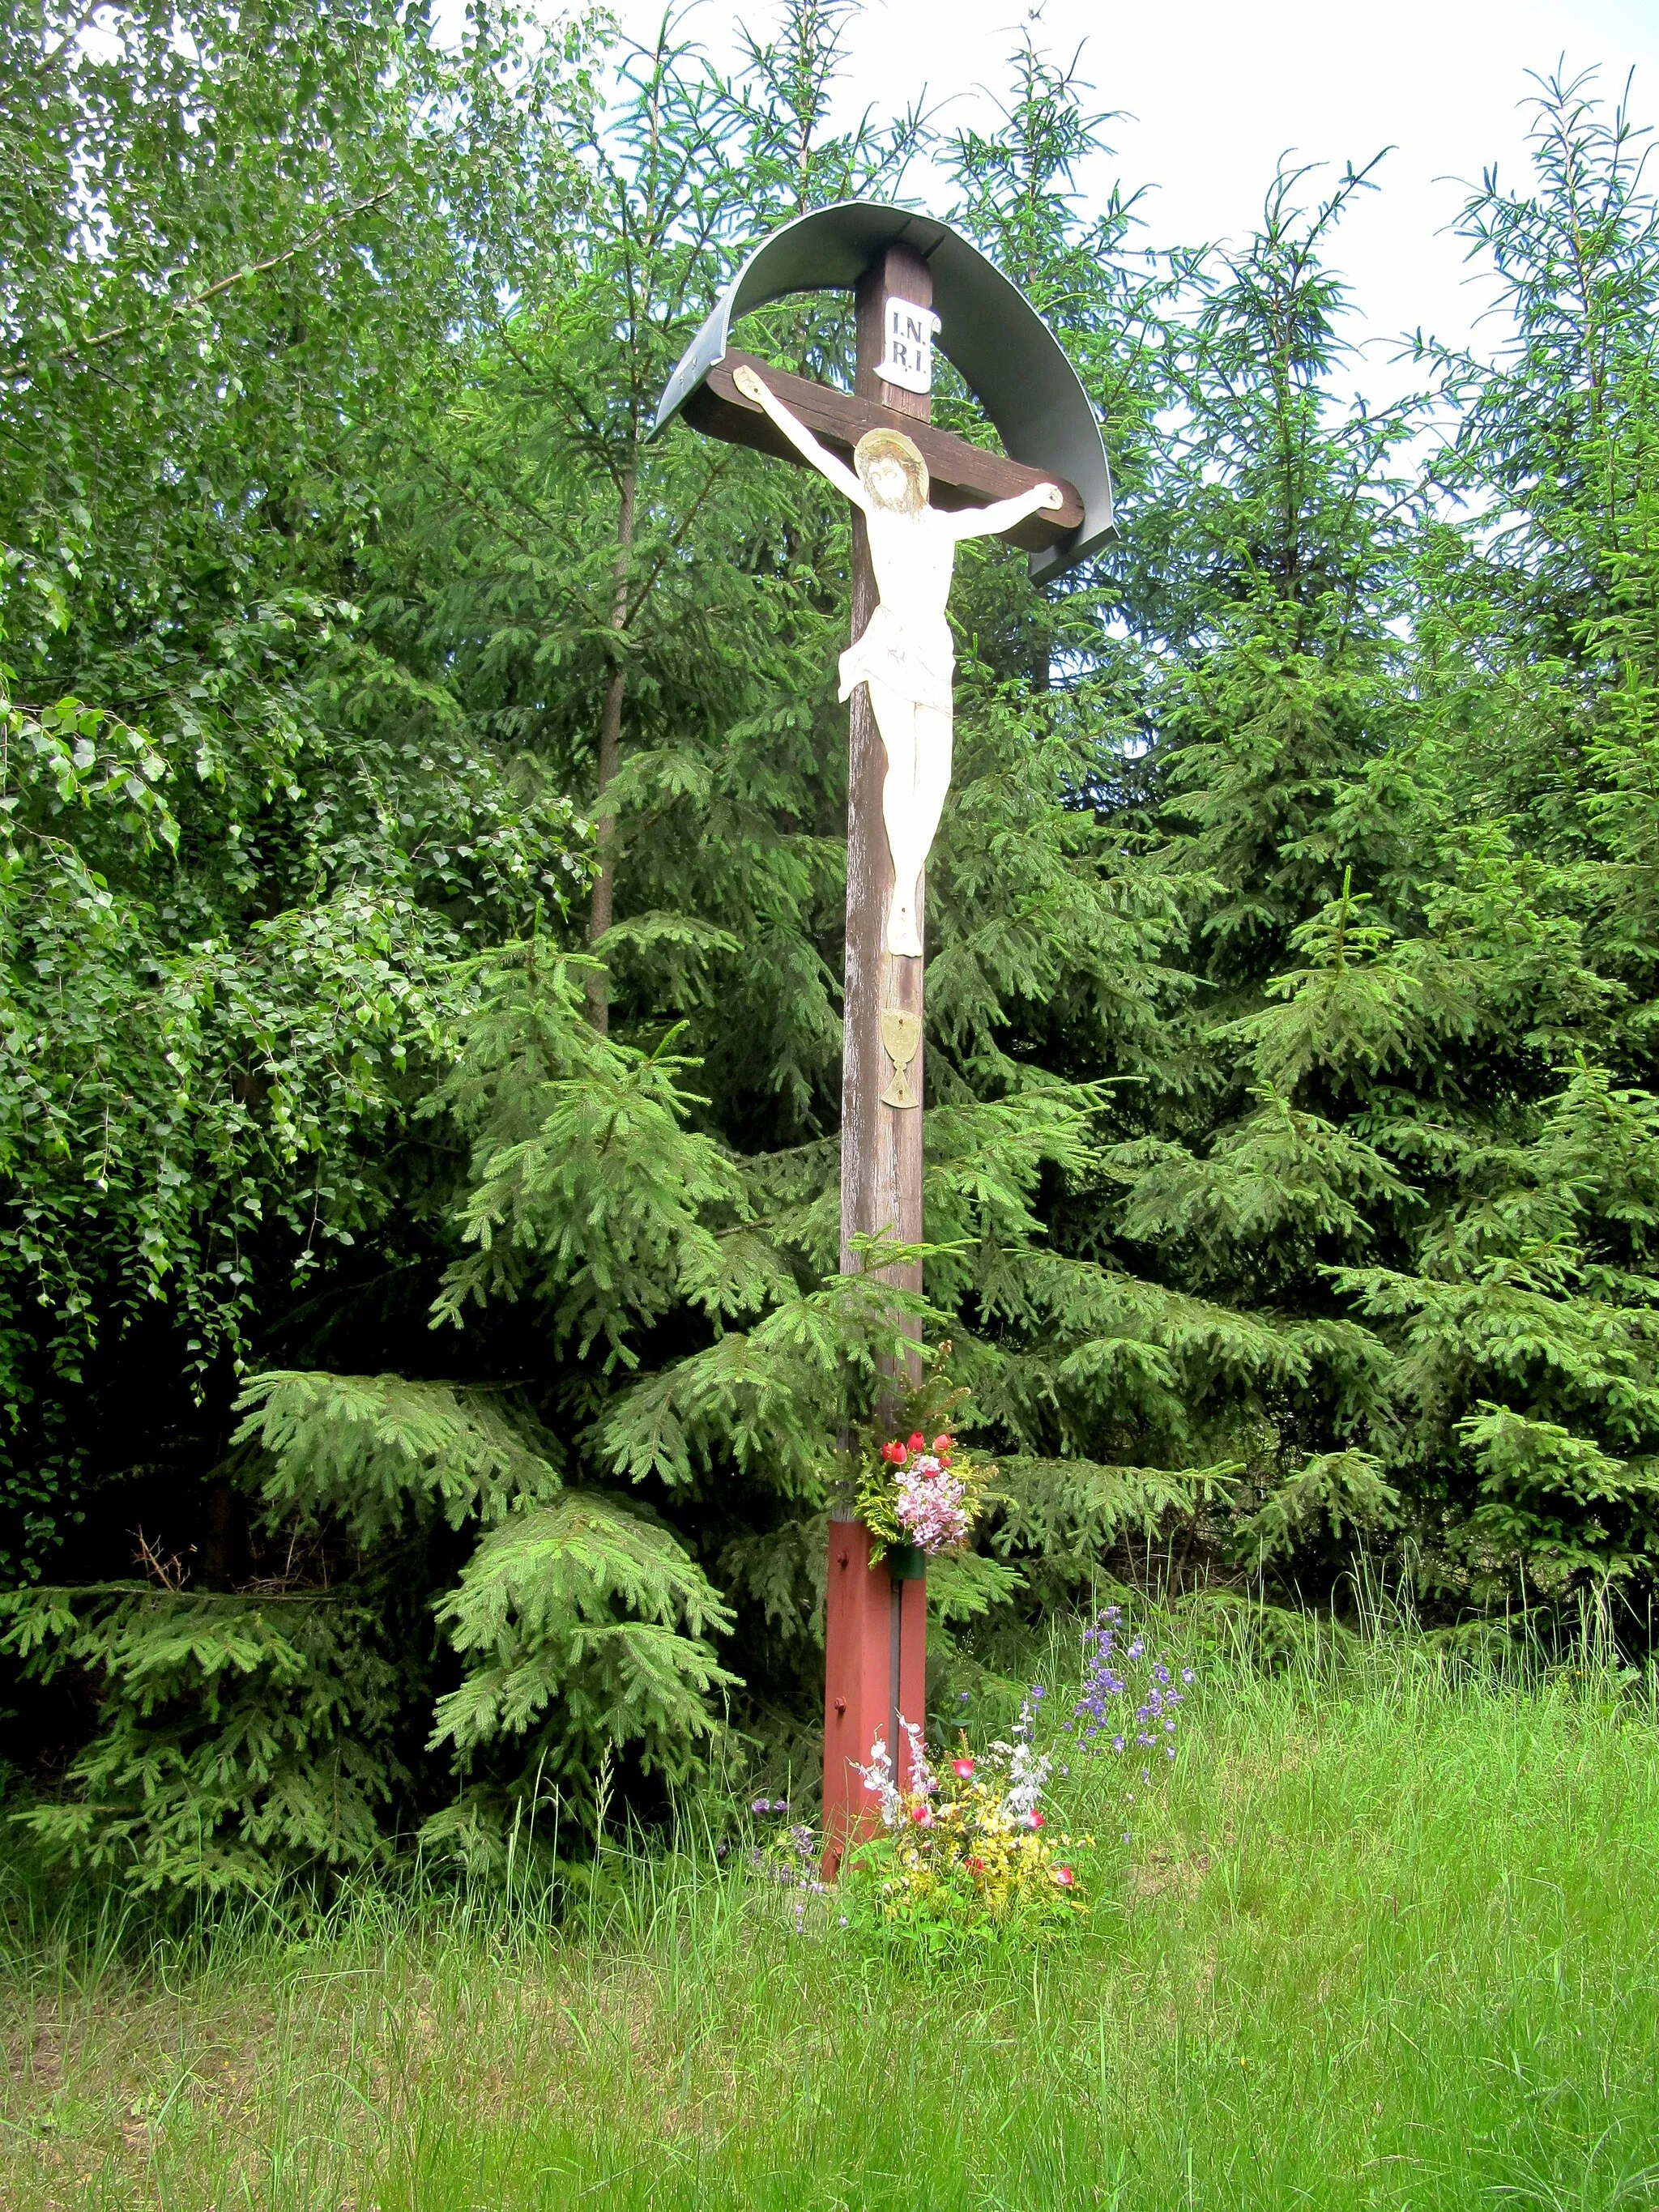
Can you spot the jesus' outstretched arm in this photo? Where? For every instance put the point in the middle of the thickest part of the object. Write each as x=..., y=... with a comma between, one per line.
x=754, y=387
x=1005, y=513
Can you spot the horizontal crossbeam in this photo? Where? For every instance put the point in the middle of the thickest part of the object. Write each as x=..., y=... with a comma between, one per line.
x=963, y=475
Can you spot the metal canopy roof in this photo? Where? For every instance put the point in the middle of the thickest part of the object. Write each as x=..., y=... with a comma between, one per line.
x=1011, y=360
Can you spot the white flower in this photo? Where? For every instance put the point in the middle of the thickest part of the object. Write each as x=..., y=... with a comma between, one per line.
x=879, y=1780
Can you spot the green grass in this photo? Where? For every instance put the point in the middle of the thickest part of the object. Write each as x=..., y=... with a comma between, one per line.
x=1388, y=1939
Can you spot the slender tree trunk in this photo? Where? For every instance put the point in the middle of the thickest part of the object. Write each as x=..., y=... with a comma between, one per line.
x=225, y=1545
x=610, y=713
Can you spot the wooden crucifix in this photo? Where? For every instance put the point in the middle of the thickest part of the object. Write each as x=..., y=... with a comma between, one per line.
x=916, y=492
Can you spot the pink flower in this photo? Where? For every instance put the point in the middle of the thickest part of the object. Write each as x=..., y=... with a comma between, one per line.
x=1065, y=1877
x=922, y=1815
x=930, y=1508
x=942, y=1443
x=1034, y=1819
x=962, y=1768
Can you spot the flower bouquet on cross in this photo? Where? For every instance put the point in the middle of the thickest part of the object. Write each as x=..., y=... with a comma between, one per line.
x=920, y=1494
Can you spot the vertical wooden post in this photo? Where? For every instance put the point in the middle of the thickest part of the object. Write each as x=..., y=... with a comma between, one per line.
x=875, y=1628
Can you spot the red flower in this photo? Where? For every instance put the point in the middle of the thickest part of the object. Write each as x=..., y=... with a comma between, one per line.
x=974, y=1866
x=1035, y=1821
x=893, y=1454
x=943, y=1443
x=962, y=1768
x=922, y=1815
x=918, y=1443
x=1064, y=1876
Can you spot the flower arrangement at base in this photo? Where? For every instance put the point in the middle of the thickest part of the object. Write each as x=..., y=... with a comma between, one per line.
x=914, y=1496
x=971, y=1845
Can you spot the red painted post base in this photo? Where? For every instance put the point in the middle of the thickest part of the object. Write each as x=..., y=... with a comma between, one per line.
x=875, y=1669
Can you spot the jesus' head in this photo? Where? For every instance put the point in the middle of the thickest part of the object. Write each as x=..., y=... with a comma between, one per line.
x=891, y=470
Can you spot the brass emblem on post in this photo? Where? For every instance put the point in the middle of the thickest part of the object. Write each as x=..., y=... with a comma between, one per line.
x=902, y=1035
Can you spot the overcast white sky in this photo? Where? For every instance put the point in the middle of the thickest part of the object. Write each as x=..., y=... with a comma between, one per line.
x=1214, y=93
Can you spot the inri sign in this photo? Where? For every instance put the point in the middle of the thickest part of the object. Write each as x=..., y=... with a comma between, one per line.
x=908, y=361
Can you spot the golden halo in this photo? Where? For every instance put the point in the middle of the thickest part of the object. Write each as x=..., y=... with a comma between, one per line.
x=882, y=444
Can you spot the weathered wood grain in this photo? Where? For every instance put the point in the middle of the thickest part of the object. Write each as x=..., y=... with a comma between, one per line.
x=963, y=475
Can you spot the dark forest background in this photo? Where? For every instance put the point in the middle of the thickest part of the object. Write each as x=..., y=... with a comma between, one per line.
x=422, y=861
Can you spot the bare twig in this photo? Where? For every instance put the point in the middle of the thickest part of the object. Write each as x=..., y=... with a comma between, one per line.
x=249, y=269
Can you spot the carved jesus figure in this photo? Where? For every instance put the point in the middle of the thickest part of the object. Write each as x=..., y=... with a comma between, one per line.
x=905, y=655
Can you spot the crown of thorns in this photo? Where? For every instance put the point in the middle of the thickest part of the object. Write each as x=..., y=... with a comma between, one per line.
x=885, y=444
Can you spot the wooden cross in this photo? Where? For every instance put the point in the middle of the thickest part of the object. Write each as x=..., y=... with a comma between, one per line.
x=876, y=1626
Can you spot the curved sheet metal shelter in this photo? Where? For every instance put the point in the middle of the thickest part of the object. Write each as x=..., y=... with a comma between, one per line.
x=1009, y=359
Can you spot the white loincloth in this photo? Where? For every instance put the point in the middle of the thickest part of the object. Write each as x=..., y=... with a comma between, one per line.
x=915, y=660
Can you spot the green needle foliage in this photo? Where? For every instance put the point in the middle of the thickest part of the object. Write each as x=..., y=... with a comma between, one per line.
x=422, y=885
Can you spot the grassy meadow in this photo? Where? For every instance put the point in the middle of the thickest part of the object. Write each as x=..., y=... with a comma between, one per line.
x=1388, y=1935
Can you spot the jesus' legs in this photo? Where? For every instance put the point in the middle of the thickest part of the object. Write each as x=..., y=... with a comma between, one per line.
x=918, y=745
